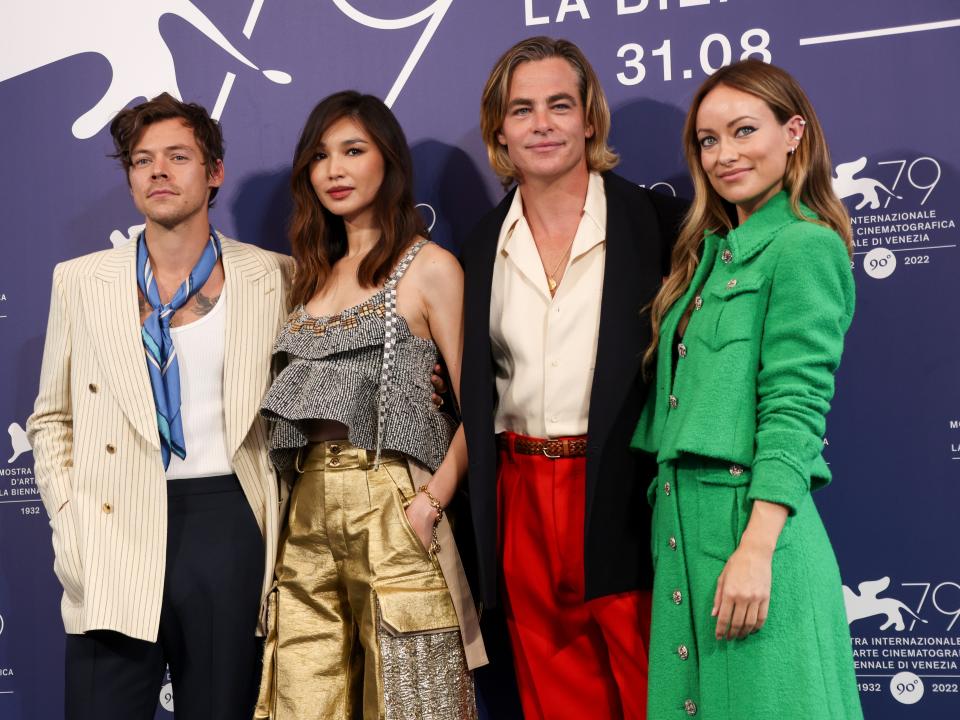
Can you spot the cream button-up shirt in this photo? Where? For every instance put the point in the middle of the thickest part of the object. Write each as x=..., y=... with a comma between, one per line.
x=545, y=348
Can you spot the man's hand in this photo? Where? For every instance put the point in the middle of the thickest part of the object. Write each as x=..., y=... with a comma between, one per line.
x=439, y=382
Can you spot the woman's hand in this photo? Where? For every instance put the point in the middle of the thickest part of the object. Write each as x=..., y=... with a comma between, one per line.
x=422, y=516
x=743, y=592
x=743, y=588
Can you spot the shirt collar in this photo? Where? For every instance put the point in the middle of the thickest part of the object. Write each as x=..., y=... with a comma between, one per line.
x=594, y=213
x=762, y=226
x=595, y=204
x=514, y=215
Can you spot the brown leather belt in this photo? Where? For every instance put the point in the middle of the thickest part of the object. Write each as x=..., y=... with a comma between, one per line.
x=553, y=449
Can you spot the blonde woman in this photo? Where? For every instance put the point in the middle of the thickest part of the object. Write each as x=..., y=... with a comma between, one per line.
x=748, y=617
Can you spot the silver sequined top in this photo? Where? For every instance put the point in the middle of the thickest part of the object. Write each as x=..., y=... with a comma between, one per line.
x=363, y=368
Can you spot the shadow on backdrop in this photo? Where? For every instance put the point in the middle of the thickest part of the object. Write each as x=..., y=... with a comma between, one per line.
x=646, y=134
x=447, y=179
x=261, y=210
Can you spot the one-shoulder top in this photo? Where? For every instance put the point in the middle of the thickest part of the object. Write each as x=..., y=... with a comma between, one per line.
x=363, y=368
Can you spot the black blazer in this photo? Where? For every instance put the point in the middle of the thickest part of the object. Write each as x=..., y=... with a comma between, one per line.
x=641, y=229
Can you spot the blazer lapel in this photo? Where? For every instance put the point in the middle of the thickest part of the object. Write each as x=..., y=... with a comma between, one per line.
x=477, y=292
x=111, y=311
x=478, y=392
x=477, y=383
x=630, y=276
x=253, y=293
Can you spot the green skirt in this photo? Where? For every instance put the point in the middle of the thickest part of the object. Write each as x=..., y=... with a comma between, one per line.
x=799, y=665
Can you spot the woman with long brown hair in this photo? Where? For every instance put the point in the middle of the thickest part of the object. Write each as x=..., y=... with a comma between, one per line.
x=369, y=614
x=748, y=616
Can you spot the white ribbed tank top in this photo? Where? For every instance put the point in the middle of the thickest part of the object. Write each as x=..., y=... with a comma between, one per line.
x=200, y=353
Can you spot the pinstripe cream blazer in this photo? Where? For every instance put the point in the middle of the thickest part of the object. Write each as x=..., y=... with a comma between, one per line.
x=95, y=439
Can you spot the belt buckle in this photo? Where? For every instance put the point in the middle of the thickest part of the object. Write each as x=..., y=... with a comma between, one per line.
x=543, y=449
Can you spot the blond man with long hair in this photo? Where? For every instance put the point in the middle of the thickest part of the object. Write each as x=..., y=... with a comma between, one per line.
x=556, y=277
x=748, y=616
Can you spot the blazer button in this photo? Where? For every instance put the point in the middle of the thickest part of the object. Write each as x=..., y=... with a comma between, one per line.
x=726, y=256
x=672, y=543
x=736, y=470
x=690, y=706
x=683, y=652
x=731, y=283
x=677, y=597
x=107, y=508
x=698, y=302
x=682, y=350
x=666, y=488
x=334, y=449
x=111, y=448
x=334, y=462
x=92, y=387
x=673, y=401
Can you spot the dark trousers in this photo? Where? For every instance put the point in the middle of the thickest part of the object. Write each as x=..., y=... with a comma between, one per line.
x=211, y=599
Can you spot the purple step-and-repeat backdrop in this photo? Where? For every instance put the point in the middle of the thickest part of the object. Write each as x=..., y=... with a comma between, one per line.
x=882, y=74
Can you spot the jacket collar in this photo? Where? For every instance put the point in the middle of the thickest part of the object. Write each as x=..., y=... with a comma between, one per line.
x=111, y=312
x=251, y=328
x=755, y=234
x=110, y=298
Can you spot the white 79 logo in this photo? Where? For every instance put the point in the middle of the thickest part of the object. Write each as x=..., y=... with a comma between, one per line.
x=433, y=14
x=910, y=178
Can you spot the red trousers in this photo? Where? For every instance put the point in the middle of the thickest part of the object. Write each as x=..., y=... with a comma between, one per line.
x=574, y=659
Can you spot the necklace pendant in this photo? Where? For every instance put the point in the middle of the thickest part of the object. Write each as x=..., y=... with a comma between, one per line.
x=552, y=284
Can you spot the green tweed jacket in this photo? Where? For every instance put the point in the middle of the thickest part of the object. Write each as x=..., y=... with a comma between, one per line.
x=756, y=387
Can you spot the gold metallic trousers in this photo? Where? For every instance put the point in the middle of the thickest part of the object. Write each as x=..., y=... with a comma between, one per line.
x=361, y=623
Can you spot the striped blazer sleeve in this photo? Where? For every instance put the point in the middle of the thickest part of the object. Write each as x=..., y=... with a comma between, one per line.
x=50, y=427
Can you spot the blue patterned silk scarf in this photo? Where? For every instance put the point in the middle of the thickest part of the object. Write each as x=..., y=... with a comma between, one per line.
x=158, y=344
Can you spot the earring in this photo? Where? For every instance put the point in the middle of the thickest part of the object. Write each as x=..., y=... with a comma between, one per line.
x=791, y=151
x=803, y=122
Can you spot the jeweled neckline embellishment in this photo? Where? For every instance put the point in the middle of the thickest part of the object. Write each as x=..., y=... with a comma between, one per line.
x=348, y=319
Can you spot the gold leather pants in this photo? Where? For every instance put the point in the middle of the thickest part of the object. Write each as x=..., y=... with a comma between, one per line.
x=360, y=618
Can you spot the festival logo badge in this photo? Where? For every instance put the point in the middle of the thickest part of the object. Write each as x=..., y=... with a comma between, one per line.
x=896, y=221
x=17, y=487
x=18, y=441
x=166, y=692
x=908, y=650
x=846, y=185
x=866, y=604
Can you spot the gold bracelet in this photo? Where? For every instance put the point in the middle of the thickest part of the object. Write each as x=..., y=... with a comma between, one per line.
x=435, y=504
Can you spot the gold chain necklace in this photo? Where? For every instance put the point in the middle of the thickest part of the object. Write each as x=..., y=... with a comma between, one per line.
x=552, y=282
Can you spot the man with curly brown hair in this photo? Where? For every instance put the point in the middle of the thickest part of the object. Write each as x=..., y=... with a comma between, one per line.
x=151, y=457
